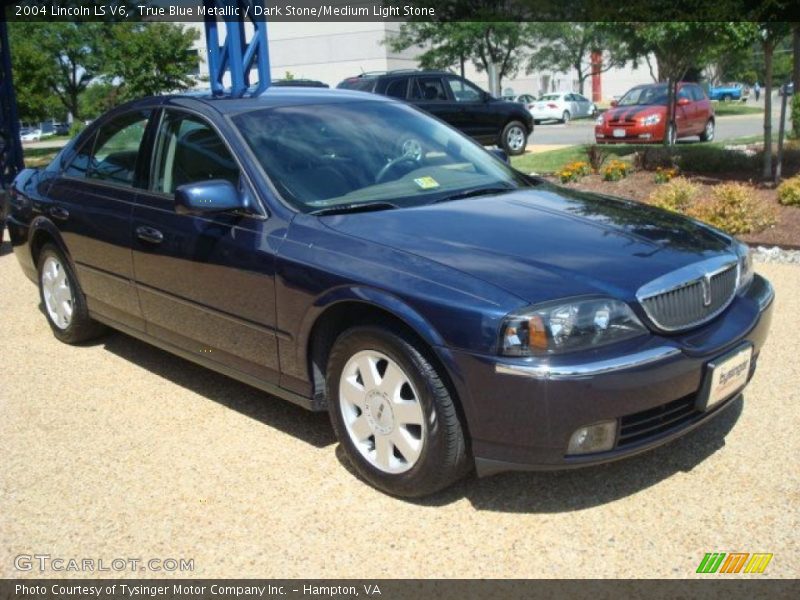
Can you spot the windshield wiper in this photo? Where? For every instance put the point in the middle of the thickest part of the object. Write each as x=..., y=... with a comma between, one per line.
x=353, y=208
x=481, y=191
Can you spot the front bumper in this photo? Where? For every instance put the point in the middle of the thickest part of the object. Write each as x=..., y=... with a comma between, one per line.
x=634, y=133
x=522, y=412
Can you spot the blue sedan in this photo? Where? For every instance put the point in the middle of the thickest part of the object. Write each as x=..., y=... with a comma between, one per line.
x=354, y=255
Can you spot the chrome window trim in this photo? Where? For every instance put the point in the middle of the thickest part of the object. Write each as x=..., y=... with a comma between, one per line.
x=588, y=369
x=684, y=277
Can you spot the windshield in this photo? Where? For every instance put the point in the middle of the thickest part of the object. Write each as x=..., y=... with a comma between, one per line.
x=651, y=94
x=346, y=154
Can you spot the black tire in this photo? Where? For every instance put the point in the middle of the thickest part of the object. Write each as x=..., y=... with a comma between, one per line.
x=81, y=326
x=565, y=116
x=708, y=132
x=509, y=138
x=444, y=457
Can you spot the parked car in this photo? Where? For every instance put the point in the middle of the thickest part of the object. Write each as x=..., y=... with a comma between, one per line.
x=30, y=134
x=562, y=106
x=640, y=116
x=298, y=83
x=456, y=101
x=787, y=88
x=526, y=99
x=47, y=128
x=62, y=128
x=352, y=254
x=728, y=91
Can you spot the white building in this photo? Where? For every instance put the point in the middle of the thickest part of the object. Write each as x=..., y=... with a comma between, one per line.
x=332, y=51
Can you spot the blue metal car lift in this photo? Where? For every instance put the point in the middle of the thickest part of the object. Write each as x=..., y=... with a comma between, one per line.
x=10, y=147
x=237, y=56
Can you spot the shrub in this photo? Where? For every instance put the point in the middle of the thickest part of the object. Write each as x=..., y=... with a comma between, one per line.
x=733, y=209
x=795, y=115
x=616, y=170
x=654, y=158
x=76, y=128
x=789, y=191
x=574, y=171
x=678, y=195
x=665, y=175
x=705, y=158
x=596, y=157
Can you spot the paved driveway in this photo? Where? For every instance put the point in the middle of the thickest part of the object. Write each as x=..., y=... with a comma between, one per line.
x=119, y=450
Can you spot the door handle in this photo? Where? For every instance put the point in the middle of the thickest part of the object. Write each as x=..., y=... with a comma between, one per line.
x=149, y=234
x=62, y=214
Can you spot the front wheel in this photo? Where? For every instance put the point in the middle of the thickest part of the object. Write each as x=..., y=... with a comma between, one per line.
x=393, y=414
x=62, y=298
x=514, y=138
x=708, y=132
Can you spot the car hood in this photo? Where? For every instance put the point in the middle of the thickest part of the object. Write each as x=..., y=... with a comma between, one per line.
x=623, y=113
x=543, y=243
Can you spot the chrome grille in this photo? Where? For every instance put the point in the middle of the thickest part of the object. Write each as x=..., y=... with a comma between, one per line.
x=690, y=296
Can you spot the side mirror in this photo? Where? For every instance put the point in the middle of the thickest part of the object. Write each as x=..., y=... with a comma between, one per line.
x=682, y=101
x=614, y=103
x=212, y=196
x=501, y=154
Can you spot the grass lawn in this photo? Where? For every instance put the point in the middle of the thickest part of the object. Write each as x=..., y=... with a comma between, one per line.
x=727, y=109
x=38, y=157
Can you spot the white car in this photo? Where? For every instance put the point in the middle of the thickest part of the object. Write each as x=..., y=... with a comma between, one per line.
x=562, y=106
x=30, y=134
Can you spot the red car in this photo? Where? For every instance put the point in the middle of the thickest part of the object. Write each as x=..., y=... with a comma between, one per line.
x=640, y=116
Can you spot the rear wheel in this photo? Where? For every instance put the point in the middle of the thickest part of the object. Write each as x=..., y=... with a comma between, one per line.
x=565, y=117
x=393, y=414
x=514, y=138
x=62, y=298
x=708, y=132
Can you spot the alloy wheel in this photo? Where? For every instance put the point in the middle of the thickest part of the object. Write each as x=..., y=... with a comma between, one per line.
x=382, y=411
x=515, y=138
x=57, y=293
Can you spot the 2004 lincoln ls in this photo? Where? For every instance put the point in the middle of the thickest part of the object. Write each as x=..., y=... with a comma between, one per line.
x=349, y=253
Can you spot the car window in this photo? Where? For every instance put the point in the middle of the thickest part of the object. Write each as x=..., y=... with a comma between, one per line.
x=116, y=149
x=697, y=93
x=580, y=98
x=397, y=88
x=550, y=97
x=345, y=154
x=79, y=166
x=188, y=150
x=463, y=91
x=684, y=92
x=430, y=89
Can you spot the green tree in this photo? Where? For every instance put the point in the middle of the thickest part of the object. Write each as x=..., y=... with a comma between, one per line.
x=494, y=47
x=144, y=59
x=569, y=46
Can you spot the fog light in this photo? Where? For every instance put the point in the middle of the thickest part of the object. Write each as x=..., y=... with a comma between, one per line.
x=593, y=438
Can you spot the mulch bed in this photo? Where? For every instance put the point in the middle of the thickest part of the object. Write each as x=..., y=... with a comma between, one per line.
x=639, y=185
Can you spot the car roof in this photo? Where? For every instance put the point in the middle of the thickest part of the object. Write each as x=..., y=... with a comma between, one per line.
x=271, y=97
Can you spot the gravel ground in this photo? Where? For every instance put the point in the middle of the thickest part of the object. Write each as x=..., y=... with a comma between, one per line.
x=118, y=450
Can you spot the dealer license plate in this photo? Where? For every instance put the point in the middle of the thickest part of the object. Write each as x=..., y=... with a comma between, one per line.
x=619, y=133
x=728, y=375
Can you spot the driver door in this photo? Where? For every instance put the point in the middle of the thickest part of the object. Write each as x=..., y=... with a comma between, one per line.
x=205, y=281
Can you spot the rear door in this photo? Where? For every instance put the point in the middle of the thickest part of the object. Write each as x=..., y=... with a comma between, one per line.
x=92, y=203
x=205, y=282
x=430, y=94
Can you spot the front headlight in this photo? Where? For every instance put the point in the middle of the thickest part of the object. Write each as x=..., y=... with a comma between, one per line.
x=745, y=265
x=599, y=120
x=651, y=120
x=568, y=325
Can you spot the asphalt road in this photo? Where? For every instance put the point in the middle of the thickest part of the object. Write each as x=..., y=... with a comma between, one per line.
x=582, y=131
x=118, y=450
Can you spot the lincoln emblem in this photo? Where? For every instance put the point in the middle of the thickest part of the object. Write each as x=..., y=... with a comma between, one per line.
x=706, y=283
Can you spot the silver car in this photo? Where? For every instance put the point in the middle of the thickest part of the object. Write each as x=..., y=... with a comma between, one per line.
x=562, y=106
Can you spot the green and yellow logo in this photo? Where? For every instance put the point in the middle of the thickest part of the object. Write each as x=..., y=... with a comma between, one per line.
x=734, y=562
